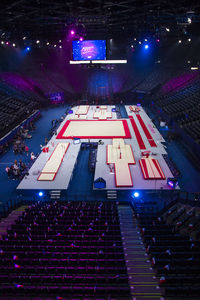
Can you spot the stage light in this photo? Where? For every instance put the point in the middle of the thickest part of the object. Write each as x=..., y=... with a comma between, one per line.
x=72, y=32
x=24, y=37
x=146, y=47
x=60, y=41
x=188, y=61
x=167, y=29
x=172, y=182
x=140, y=43
x=14, y=45
x=189, y=20
x=28, y=48
x=60, y=47
x=47, y=43
x=81, y=39
x=37, y=42
x=158, y=40
x=189, y=40
x=132, y=46
x=136, y=194
x=55, y=46
x=179, y=41
x=2, y=42
x=135, y=39
x=7, y=43
x=40, y=194
x=145, y=40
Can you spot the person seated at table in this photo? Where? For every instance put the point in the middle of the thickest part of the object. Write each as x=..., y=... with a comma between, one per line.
x=15, y=149
x=26, y=150
x=20, y=149
x=22, y=145
x=22, y=165
x=1, y=149
x=33, y=157
x=9, y=172
x=15, y=172
x=15, y=166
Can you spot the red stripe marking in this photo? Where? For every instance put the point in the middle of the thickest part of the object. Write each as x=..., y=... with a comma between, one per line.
x=146, y=131
x=137, y=134
x=144, y=168
x=151, y=167
x=158, y=167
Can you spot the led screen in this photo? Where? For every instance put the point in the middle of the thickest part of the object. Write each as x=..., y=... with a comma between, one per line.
x=89, y=50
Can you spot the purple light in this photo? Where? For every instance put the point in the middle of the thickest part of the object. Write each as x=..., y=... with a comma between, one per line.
x=7, y=43
x=81, y=39
x=170, y=183
x=158, y=40
x=72, y=32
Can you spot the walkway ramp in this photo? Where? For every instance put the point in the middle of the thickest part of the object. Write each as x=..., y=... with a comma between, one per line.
x=142, y=280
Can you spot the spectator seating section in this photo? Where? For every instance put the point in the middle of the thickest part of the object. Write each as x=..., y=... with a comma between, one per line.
x=159, y=76
x=183, y=106
x=172, y=166
x=13, y=110
x=172, y=242
x=64, y=250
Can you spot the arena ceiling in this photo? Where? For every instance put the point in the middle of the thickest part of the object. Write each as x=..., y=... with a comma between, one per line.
x=50, y=19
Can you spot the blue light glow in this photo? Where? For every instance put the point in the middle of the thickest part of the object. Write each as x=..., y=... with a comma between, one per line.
x=136, y=194
x=40, y=194
x=146, y=47
x=28, y=48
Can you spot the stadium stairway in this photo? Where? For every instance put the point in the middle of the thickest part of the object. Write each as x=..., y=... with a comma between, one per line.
x=142, y=280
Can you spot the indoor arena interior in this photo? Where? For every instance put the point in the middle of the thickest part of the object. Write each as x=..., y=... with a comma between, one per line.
x=99, y=150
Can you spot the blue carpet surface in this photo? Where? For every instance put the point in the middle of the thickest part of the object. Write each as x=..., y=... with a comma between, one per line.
x=190, y=178
x=123, y=111
x=82, y=181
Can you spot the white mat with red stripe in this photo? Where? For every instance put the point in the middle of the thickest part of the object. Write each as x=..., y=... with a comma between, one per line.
x=82, y=110
x=53, y=164
x=121, y=155
x=102, y=113
x=151, y=168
